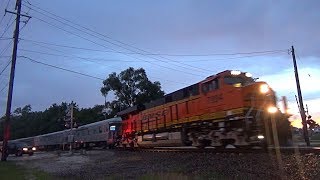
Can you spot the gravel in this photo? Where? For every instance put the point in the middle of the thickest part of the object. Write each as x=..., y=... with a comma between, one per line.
x=112, y=164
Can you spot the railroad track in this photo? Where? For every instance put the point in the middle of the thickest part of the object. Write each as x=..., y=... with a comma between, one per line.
x=286, y=150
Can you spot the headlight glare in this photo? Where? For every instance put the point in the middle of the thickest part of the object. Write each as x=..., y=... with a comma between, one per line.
x=34, y=148
x=235, y=73
x=260, y=137
x=248, y=74
x=264, y=88
x=25, y=149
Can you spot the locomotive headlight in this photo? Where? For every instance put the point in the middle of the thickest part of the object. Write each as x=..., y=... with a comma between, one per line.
x=25, y=149
x=235, y=73
x=248, y=75
x=260, y=137
x=264, y=88
x=272, y=109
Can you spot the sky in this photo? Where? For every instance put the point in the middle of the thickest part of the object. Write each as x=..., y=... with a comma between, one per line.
x=178, y=43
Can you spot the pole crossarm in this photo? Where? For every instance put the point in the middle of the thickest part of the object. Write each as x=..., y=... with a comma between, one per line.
x=17, y=14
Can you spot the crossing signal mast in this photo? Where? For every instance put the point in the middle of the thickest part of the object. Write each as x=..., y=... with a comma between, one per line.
x=70, y=123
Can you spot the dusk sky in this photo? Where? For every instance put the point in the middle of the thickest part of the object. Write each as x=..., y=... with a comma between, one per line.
x=177, y=42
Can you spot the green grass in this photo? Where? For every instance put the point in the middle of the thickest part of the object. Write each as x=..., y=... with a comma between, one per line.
x=10, y=171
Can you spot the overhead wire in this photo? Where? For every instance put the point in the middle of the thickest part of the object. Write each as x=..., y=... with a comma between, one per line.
x=154, y=54
x=107, y=66
x=125, y=44
x=72, y=22
x=88, y=59
x=5, y=67
x=94, y=35
x=120, y=60
x=5, y=38
x=4, y=87
x=61, y=68
x=133, y=52
x=7, y=27
x=110, y=48
x=116, y=40
x=146, y=53
x=8, y=4
x=6, y=48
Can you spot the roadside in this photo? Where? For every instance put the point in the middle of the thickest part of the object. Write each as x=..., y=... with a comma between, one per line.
x=117, y=164
x=12, y=171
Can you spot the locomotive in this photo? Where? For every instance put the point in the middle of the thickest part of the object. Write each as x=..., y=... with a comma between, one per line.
x=229, y=108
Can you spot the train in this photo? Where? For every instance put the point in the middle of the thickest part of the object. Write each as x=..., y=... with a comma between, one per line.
x=102, y=133
x=230, y=108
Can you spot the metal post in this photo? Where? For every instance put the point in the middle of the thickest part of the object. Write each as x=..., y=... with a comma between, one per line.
x=302, y=111
x=6, y=132
x=71, y=125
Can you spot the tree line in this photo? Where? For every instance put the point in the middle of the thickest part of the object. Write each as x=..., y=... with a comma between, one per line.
x=128, y=88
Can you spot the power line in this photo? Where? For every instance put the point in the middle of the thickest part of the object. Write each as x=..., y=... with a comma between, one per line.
x=94, y=35
x=107, y=47
x=4, y=87
x=158, y=65
x=146, y=53
x=4, y=57
x=8, y=4
x=5, y=67
x=175, y=82
x=154, y=54
x=6, y=48
x=131, y=46
x=79, y=57
x=64, y=69
x=5, y=38
x=119, y=60
x=7, y=27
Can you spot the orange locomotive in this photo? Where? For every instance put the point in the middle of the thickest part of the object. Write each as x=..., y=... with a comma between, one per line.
x=227, y=108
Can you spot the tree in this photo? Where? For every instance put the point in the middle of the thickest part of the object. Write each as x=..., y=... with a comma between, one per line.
x=130, y=87
x=22, y=111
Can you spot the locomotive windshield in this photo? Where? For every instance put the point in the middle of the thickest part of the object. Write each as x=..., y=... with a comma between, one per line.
x=237, y=81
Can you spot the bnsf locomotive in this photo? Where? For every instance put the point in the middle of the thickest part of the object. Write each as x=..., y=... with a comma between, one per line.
x=229, y=108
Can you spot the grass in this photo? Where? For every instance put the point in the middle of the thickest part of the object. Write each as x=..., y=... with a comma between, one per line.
x=10, y=171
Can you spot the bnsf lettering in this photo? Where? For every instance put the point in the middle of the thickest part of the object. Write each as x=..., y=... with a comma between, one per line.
x=215, y=98
x=155, y=115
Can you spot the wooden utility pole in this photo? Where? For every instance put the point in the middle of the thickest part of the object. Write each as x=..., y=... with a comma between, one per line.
x=6, y=132
x=302, y=111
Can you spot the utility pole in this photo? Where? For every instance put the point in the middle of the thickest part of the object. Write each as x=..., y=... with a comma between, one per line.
x=302, y=111
x=6, y=132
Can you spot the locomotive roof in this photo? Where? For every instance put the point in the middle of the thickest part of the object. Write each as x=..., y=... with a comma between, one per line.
x=173, y=96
